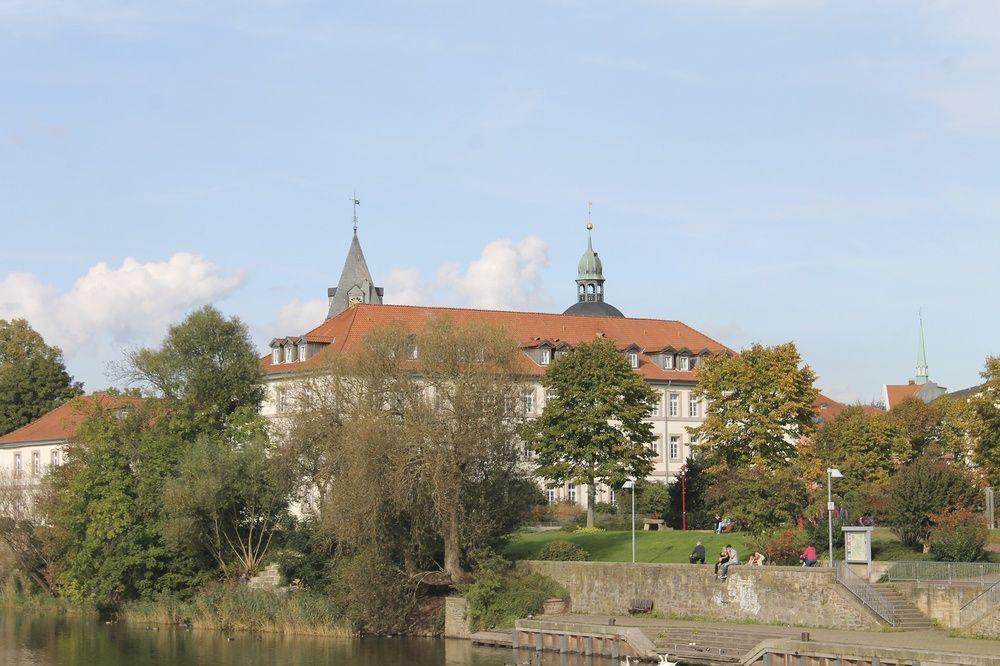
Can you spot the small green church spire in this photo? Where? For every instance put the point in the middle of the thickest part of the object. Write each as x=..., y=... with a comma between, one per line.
x=922, y=376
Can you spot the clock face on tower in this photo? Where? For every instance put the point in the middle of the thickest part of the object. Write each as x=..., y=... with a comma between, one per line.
x=355, y=299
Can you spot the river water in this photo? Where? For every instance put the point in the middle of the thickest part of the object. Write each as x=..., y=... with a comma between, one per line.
x=44, y=640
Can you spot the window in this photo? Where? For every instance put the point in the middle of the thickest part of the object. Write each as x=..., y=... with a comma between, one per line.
x=528, y=402
x=276, y=355
x=675, y=447
x=571, y=493
x=658, y=407
x=282, y=400
x=550, y=395
x=668, y=362
x=303, y=351
x=545, y=357
x=675, y=404
x=657, y=446
x=550, y=494
x=414, y=353
x=36, y=463
x=692, y=406
x=17, y=465
x=633, y=359
x=289, y=354
x=55, y=457
x=685, y=363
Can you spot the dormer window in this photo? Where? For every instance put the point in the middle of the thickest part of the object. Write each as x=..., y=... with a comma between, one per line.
x=414, y=353
x=668, y=361
x=545, y=357
x=633, y=359
x=303, y=351
x=276, y=356
x=685, y=363
x=289, y=354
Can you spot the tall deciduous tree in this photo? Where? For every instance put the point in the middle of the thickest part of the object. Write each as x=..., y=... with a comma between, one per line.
x=866, y=445
x=33, y=377
x=921, y=420
x=986, y=405
x=207, y=364
x=760, y=404
x=593, y=428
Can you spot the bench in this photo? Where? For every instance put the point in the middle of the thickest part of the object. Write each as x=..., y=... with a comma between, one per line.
x=640, y=606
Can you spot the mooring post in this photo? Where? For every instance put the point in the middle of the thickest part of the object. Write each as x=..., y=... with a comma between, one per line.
x=538, y=642
x=615, y=651
x=588, y=646
x=564, y=643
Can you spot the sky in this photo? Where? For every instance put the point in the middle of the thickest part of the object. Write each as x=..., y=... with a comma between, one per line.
x=763, y=170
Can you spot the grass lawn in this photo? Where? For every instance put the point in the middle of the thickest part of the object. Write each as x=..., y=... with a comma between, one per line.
x=616, y=546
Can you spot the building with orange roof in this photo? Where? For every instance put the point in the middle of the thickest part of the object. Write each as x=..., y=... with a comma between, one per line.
x=31, y=450
x=665, y=352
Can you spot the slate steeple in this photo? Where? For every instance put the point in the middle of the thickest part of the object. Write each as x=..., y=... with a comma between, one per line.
x=356, y=284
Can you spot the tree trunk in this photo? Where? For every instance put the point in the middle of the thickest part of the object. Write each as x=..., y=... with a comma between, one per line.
x=453, y=551
x=591, y=495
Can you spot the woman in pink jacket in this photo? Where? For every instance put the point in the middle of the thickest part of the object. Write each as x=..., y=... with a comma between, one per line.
x=808, y=556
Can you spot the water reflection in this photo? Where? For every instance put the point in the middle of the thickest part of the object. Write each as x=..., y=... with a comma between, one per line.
x=41, y=640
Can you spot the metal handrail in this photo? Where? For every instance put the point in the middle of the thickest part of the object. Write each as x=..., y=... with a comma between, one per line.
x=985, y=601
x=978, y=573
x=865, y=592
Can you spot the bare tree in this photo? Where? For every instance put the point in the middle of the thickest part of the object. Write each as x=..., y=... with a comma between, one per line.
x=20, y=520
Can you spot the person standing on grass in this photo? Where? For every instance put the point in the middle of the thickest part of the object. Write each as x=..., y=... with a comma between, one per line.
x=733, y=558
x=698, y=554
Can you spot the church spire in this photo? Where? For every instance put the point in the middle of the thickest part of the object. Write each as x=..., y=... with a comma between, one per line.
x=922, y=376
x=356, y=284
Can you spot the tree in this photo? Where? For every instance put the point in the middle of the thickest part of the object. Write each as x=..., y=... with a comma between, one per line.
x=33, y=377
x=760, y=404
x=986, y=407
x=696, y=484
x=229, y=497
x=593, y=427
x=758, y=499
x=207, y=364
x=921, y=420
x=20, y=529
x=866, y=445
x=923, y=488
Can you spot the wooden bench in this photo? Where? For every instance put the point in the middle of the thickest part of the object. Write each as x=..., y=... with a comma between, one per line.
x=640, y=606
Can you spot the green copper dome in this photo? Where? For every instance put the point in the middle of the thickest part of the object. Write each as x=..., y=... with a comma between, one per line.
x=590, y=267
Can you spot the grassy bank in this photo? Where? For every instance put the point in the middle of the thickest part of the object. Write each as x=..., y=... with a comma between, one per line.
x=616, y=546
x=237, y=608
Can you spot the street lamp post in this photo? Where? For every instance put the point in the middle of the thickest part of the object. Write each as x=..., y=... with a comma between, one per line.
x=630, y=485
x=831, y=474
x=684, y=508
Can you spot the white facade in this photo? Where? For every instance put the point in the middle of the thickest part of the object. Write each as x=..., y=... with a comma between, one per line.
x=28, y=462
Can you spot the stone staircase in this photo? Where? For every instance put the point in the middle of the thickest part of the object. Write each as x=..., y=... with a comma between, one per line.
x=268, y=579
x=907, y=615
x=704, y=645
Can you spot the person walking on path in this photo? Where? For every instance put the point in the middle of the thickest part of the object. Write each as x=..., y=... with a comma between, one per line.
x=733, y=559
x=808, y=556
x=698, y=554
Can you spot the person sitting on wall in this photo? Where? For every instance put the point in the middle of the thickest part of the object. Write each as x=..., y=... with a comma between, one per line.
x=732, y=560
x=698, y=554
x=723, y=558
x=808, y=556
x=756, y=560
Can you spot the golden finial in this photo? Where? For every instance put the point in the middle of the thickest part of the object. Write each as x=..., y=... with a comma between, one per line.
x=590, y=227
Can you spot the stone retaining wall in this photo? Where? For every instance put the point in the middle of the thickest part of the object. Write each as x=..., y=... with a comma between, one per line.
x=456, y=625
x=770, y=594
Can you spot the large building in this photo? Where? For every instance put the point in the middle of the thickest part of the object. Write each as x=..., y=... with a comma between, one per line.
x=665, y=352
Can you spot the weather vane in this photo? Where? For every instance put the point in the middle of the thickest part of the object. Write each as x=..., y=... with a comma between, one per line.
x=589, y=224
x=356, y=202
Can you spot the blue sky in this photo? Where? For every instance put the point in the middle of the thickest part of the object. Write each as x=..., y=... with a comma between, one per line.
x=764, y=170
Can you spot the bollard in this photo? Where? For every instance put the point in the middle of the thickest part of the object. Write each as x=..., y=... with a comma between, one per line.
x=588, y=646
x=614, y=650
x=564, y=643
x=538, y=642
x=515, y=640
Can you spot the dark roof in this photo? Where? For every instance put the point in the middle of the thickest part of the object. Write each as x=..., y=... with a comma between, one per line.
x=593, y=309
x=965, y=393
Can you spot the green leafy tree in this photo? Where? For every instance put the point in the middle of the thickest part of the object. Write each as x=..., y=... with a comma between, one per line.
x=960, y=431
x=759, y=499
x=593, y=428
x=921, y=420
x=927, y=486
x=696, y=483
x=986, y=406
x=866, y=445
x=229, y=497
x=760, y=404
x=958, y=536
x=207, y=364
x=33, y=377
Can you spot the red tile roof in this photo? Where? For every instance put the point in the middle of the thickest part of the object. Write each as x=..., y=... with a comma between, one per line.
x=348, y=329
x=63, y=422
x=896, y=393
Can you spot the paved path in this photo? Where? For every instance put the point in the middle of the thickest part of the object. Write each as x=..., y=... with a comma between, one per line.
x=926, y=639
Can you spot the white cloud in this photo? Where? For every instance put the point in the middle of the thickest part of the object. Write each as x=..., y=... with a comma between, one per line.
x=297, y=317
x=507, y=275
x=131, y=303
x=405, y=286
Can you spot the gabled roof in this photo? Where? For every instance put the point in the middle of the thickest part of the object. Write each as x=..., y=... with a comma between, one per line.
x=896, y=393
x=348, y=329
x=63, y=422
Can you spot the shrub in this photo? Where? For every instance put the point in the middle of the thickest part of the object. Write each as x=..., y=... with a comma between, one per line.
x=502, y=594
x=605, y=508
x=782, y=547
x=588, y=530
x=563, y=550
x=957, y=536
x=926, y=486
x=758, y=499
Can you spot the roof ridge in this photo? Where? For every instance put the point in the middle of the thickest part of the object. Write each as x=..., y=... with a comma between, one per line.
x=531, y=312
